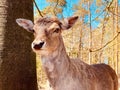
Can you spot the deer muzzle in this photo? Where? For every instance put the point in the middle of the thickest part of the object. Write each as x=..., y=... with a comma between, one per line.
x=38, y=46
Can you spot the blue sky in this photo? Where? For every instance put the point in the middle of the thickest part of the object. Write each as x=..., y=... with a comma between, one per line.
x=68, y=11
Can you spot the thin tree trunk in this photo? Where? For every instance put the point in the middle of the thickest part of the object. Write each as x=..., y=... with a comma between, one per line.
x=113, y=50
x=80, y=43
x=17, y=61
x=80, y=39
x=90, y=35
x=117, y=27
x=102, y=40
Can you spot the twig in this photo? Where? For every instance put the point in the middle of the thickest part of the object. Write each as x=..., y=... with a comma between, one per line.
x=106, y=7
x=105, y=44
x=38, y=8
x=114, y=13
x=110, y=10
x=55, y=7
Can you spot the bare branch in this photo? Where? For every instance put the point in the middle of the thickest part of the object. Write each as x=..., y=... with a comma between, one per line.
x=55, y=7
x=37, y=8
x=105, y=44
x=114, y=13
x=110, y=5
x=108, y=8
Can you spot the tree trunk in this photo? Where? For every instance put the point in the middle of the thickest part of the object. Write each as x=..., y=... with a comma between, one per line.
x=117, y=30
x=17, y=61
x=102, y=40
x=90, y=33
x=113, y=48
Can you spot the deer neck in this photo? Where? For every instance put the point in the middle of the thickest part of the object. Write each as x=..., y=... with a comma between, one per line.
x=56, y=63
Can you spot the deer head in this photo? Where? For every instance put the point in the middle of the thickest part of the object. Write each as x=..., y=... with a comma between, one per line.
x=47, y=32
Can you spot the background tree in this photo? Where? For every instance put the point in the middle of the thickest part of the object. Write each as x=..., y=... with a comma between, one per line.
x=17, y=61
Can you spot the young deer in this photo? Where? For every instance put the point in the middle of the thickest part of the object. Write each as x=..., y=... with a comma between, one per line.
x=64, y=73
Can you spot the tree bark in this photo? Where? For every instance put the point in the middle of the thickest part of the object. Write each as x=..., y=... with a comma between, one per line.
x=17, y=61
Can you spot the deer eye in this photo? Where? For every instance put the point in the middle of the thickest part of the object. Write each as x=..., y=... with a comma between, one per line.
x=56, y=30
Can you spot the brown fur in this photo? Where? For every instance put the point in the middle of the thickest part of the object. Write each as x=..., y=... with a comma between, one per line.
x=64, y=73
x=73, y=74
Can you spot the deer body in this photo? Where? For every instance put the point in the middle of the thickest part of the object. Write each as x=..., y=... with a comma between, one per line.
x=64, y=73
x=73, y=74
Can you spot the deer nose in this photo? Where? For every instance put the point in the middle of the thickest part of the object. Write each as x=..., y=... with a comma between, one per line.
x=38, y=46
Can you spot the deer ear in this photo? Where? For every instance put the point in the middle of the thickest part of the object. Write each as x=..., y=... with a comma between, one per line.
x=26, y=24
x=69, y=22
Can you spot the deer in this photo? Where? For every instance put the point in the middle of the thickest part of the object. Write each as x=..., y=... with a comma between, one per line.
x=63, y=72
